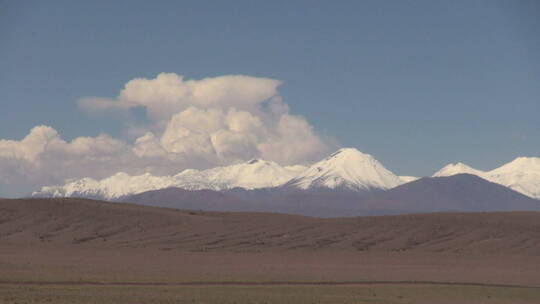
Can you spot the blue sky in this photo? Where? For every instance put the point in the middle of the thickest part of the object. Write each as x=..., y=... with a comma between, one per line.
x=417, y=84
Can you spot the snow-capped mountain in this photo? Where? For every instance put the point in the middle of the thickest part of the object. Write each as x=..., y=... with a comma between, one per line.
x=250, y=175
x=350, y=169
x=115, y=186
x=253, y=174
x=522, y=174
x=408, y=179
x=457, y=168
x=347, y=168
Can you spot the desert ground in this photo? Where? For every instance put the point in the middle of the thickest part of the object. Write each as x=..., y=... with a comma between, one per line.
x=84, y=251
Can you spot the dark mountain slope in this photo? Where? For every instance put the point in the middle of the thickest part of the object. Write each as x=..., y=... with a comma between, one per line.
x=462, y=192
x=189, y=199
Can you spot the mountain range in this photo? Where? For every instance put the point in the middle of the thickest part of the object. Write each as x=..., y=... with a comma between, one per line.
x=460, y=193
x=521, y=175
x=346, y=183
x=346, y=169
x=253, y=174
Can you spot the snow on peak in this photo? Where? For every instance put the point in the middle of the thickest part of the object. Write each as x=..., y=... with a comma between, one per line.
x=457, y=168
x=115, y=186
x=528, y=164
x=408, y=179
x=253, y=174
x=250, y=175
x=521, y=175
x=347, y=168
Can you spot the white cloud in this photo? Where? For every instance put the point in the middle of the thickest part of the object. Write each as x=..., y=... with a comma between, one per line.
x=224, y=136
x=194, y=124
x=169, y=93
x=148, y=145
x=293, y=141
x=37, y=141
x=43, y=156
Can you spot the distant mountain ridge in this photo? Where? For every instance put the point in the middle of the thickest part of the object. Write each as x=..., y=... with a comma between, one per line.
x=522, y=174
x=462, y=192
x=345, y=170
x=253, y=174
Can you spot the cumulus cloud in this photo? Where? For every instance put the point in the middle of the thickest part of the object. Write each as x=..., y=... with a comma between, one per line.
x=43, y=156
x=169, y=93
x=193, y=124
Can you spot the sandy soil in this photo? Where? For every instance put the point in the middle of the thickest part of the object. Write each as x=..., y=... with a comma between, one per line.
x=71, y=240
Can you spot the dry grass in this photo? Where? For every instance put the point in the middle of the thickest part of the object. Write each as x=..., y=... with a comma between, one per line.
x=267, y=294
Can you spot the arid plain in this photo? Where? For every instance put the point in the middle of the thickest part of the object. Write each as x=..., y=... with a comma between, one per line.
x=84, y=251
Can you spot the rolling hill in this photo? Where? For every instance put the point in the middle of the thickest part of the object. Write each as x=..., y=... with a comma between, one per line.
x=79, y=241
x=94, y=223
